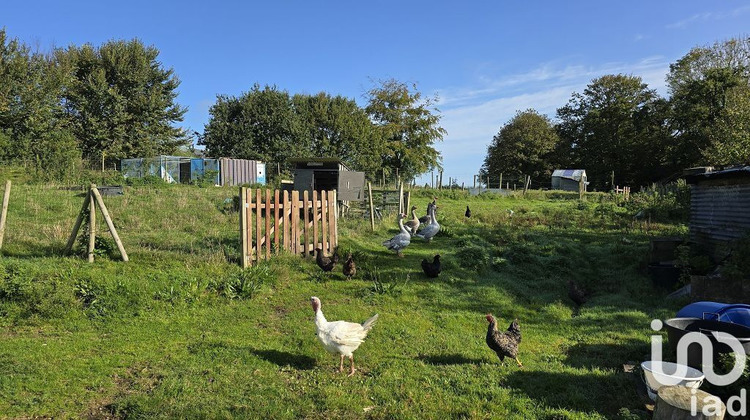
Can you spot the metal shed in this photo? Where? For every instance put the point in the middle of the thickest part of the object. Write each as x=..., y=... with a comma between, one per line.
x=719, y=207
x=180, y=169
x=568, y=179
x=325, y=174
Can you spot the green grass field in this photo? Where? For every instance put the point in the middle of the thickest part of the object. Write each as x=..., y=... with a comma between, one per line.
x=180, y=332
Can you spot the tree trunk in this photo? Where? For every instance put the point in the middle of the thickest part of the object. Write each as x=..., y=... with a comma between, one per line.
x=676, y=402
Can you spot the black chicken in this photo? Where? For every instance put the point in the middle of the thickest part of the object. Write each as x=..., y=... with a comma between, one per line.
x=431, y=269
x=504, y=343
x=578, y=295
x=350, y=269
x=325, y=263
x=468, y=212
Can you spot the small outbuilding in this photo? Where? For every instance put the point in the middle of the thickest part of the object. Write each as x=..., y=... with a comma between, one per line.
x=719, y=208
x=326, y=174
x=181, y=169
x=569, y=179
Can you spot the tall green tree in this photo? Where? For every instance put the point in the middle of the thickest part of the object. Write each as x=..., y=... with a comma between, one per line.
x=707, y=88
x=410, y=126
x=33, y=125
x=523, y=146
x=616, y=124
x=260, y=124
x=121, y=100
x=336, y=126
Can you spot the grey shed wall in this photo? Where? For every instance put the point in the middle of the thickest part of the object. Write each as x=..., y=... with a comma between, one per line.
x=719, y=213
x=238, y=171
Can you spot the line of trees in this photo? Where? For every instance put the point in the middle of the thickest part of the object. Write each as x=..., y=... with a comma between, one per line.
x=80, y=103
x=619, y=125
x=393, y=135
x=91, y=104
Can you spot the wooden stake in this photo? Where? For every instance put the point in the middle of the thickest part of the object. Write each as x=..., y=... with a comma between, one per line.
x=252, y=255
x=268, y=223
x=243, y=226
x=258, y=225
x=276, y=232
x=316, y=206
x=92, y=224
x=306, y=216
x=110, y=224
x=76, y=226
x=401, y=198
x=4, y=214
x=372, y=208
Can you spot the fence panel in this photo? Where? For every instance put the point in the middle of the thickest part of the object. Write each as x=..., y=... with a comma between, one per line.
x=280, y=223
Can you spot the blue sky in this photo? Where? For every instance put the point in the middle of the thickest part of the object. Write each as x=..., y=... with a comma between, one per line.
x=485, y=60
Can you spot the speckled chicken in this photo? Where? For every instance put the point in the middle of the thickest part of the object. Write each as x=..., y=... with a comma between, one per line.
x=350, y=268
x=506, y=343
x=431, y=269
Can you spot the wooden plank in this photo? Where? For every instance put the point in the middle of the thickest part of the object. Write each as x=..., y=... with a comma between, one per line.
x=268, y=223
x=335, y=219
x=77, y=226
x=249, y=223
x=92, y=224
x=4, y=214
x=276, y=220
x=324, y=221
x=332, y=220
x=243, y=226
x=286, y=223
x=258, y=224
x=110, y=224
x=295, y=222
x=305, y=229
x=372, y=208
x=315, y=204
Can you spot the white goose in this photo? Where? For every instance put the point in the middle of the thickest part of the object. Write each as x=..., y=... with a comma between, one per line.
x=401, y=240
x=431, y=229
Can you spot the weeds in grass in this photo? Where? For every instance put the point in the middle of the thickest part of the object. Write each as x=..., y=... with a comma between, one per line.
x=381, y=287
x=246, y=283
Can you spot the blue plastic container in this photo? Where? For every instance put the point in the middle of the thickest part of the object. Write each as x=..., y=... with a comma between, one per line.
x=738, y=313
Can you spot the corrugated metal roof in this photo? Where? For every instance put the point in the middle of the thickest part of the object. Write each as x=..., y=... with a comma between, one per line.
x=738, y=171
x=569, y=173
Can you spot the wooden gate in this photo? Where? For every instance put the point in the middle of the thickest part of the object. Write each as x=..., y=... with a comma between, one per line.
x=270, y=222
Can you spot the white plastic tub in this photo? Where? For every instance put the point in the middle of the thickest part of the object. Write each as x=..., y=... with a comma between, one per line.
x=659, y=374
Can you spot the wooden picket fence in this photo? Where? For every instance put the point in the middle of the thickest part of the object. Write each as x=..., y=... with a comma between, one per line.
x=624, y=191
x=270, y=222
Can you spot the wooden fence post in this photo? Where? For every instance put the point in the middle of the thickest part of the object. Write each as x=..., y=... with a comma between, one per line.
x=258, y=226
x=401, y=198
x=580, y=188
x=501, y=181
x=4, y=214
x=110, y=224
x=268, y=223
x=306, y=219
x=372, y=208
x=243, y=226
x=276, y=221
x=315, y=204
x=92, y=224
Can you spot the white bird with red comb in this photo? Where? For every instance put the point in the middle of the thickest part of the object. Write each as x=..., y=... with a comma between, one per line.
x=340, y=337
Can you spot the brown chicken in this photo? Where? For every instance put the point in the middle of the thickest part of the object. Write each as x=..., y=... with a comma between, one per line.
x=504, y=343
x=350, y=269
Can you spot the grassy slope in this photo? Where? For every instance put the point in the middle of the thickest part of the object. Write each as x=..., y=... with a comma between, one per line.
x=155, y=337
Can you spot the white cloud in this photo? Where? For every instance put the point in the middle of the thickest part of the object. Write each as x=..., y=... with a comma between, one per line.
x=472, y=115
x=709, y=16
